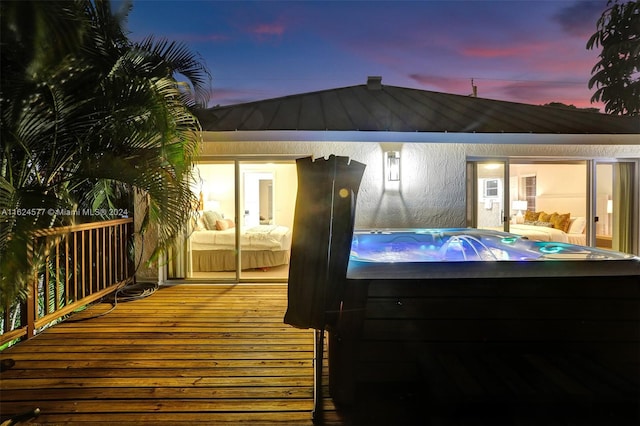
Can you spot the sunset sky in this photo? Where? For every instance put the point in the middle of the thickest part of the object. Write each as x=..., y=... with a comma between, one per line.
x=521, y=51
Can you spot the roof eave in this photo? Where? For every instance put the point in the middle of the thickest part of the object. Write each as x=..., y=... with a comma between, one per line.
x=419, y=137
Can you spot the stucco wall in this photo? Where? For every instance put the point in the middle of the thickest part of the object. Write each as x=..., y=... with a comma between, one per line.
x=431, y=191
x=432, y=187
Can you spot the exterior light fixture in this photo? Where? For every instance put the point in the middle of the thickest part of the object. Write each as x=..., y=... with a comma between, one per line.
x=392, y=166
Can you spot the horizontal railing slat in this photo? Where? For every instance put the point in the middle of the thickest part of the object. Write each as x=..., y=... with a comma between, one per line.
x=62, y=230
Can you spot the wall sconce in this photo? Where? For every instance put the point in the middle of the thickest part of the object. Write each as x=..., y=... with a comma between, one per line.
x=392, y=166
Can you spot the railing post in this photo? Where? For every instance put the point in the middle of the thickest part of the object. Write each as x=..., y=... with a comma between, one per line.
x=30, y=311
x=6, y=317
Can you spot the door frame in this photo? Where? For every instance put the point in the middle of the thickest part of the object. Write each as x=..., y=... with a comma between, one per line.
x=473, y=189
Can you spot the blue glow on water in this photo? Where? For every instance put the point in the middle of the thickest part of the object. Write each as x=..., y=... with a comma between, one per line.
x=509, y=240
x=462, y=245
x=551, y=249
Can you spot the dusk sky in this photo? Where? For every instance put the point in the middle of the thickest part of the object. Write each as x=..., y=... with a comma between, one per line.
x=521, y=51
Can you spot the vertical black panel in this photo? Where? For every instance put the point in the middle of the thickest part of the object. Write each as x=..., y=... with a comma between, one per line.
x=321, y=240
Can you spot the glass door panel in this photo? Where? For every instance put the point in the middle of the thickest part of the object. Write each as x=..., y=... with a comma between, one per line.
x=267, y=203
x=553, y=196
x=212, y=244
x=490, y=207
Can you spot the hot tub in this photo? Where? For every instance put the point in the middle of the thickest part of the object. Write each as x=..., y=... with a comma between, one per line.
x=469, y=253
x=415, y=295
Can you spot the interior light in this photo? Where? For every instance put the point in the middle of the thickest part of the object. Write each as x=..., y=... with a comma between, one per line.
x=519, y=206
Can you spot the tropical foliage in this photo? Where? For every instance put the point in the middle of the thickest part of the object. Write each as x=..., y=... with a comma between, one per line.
x=90, y=117
x=616, y=75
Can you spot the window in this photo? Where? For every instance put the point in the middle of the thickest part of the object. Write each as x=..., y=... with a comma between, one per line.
x=529, y=186
x=491, y=188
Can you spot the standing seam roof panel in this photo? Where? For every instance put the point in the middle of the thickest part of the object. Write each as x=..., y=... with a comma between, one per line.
x=376, y=102
x=404, y=109
x=336, y=115
x=414, y=117
x=311, y=114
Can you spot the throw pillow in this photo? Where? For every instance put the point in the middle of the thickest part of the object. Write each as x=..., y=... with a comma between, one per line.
x=210, y=218
x=561, y=222
x=545, y=217
x=224, y=224
x=531, y=216
x=545, y=224
x=577, y=225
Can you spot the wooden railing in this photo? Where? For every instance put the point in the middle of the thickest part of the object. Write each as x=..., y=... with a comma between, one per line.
x=76, y=265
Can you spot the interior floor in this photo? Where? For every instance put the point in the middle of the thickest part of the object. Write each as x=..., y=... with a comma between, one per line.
x=275, y=272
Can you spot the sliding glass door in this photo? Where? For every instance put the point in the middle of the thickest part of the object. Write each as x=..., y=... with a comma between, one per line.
x=574, y=201
x=242, y=227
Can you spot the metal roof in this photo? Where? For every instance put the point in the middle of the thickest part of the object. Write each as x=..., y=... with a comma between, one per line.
x=377, y=107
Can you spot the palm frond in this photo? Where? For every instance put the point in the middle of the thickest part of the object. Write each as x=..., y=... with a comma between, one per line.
x=177, y=58
x=91, y=121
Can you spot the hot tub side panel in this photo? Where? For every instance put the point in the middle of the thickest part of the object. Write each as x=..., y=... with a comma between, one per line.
x=402, y=330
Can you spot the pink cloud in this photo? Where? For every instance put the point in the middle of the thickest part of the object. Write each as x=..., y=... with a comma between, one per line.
x=264, y=32
x=268, y=29
x=521, y=49
x=559, y=59
x=529, y=92
x=262, y=23
x=543, y=92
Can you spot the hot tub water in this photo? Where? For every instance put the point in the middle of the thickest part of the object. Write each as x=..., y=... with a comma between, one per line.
x=463, y=245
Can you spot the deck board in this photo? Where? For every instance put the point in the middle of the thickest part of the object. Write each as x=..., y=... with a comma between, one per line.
x=192, y=353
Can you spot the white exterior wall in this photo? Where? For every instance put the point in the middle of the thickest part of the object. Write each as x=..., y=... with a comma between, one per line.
x=432, y=189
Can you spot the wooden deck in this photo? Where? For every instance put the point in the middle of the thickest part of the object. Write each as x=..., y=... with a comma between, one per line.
x=220, y=354
x=210, y=354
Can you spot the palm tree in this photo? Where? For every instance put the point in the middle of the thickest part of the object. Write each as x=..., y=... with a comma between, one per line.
x=88, y=119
